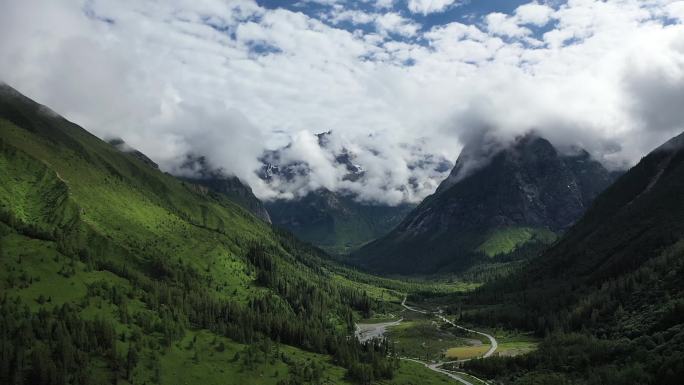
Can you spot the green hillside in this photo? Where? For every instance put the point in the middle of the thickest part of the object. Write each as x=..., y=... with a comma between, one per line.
x=114, y=272
x=608, y=295
x=506, y=240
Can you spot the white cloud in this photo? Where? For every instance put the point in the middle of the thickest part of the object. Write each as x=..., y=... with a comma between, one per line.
x=394, y=23
x=504, y=25
x=353, y=16
x=229, y=79
x=516, y=25
x=385, y=23
x=429, y=6
x=675, y=10
x=534, y=13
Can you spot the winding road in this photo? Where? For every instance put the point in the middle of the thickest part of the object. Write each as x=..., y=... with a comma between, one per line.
x=436, y=367
x=492, y=340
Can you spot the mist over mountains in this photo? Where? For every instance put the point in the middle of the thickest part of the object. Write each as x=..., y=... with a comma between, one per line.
x=236, y=79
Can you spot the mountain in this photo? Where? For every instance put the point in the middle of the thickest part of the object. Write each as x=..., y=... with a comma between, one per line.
x=112, y=271
x=332, y=220
x=208, y=179
x=335, y=222
x=218, y=182
x=635, y=219
x=497, y=199
x=608, y=295
x=122, y=146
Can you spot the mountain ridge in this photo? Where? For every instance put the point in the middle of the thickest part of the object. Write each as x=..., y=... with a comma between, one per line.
x=201, y=173
x=613, y=284
x=527, y=185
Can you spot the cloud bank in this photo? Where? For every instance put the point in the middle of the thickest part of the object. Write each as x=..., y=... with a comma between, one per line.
x=230, y=79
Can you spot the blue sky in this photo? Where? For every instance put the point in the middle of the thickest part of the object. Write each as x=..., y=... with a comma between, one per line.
x=467, y=11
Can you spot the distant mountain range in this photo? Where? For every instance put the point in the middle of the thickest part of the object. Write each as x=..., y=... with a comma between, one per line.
x=336, y=221
x=496, y=200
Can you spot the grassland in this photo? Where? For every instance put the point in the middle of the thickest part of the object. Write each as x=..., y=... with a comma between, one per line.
x=512, y=343
x=466, y=352
x=471, y=379
x=423, y=337
x=413, y=373
x=504, y=241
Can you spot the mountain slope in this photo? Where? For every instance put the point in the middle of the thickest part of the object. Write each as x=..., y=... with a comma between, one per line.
x=213, y=180
x=609, y=293
x=112, y=270
x=234, y=189
x=335, y=222
x=524, y=193
x=643, y=209
x=218, y=182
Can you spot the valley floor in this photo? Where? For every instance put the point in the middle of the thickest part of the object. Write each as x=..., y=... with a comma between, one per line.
x=430, y=339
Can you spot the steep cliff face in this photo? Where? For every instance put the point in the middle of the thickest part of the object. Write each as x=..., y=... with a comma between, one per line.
x=495, y=200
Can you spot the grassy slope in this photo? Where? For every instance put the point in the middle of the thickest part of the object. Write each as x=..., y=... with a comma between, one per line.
x=507, y=240
x=38, y=271
x=165, y=217
x=68, y=198
x=134, y=211
x=412, y=373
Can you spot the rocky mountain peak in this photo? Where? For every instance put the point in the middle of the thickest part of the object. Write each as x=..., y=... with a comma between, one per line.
x=494, y=188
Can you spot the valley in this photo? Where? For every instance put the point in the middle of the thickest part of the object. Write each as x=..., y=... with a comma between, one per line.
x=539, y=268
x=431, y=339
x=167, y=282
x=334, y=192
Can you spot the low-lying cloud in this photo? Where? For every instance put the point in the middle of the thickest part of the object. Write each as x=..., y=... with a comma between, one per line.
x=231, y=80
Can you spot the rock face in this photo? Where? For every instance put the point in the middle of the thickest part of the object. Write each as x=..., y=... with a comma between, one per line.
x=495, y=197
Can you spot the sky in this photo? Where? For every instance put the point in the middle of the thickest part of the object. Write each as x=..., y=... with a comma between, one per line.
x=402, y=85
